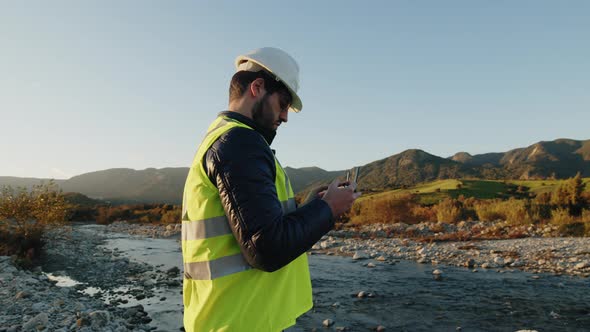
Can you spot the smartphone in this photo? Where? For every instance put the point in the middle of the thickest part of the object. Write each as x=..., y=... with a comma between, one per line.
x=353, y=174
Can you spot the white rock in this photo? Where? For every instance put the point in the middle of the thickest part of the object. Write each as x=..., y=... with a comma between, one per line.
x=371, y=265
x=581, y=265
x=360, y=255
x=499, y=261
x=437, y=272
x=328, y=322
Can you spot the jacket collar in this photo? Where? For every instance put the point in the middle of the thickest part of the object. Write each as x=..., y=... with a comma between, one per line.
x=268, y=134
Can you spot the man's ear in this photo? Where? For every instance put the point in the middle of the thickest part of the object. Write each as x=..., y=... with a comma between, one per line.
x=257, y=87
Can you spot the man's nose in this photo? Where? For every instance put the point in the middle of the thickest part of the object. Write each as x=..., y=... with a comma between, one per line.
x=284, y=116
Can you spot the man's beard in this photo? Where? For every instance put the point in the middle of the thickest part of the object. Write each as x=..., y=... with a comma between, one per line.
x=263, y=115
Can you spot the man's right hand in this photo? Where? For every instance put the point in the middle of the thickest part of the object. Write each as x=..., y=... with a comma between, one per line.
x=340, y=199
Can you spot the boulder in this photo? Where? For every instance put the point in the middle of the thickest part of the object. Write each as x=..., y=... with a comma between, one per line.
x=360, y=255
x=99, y=318
x=38, y=322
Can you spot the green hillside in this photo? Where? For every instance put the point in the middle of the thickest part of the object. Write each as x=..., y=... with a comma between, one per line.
x=541, y=186
x=433, y=192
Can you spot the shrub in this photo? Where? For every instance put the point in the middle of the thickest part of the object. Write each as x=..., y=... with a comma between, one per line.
x=103, y=215
x=517, y=211
x=489, y=211
x=448, y=210
x=25, y=215
x=389, y=209
x=570, y=195
x=172, y=217
x=424, y=213
x=572, y=229
x=561, y=216
x=514, y=211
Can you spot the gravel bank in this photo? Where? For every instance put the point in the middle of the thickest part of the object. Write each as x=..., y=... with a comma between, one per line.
x=538, y=251
x=99, y=298
x=154, y=231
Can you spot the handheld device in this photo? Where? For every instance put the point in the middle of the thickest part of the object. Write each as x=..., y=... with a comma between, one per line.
x=354, y=173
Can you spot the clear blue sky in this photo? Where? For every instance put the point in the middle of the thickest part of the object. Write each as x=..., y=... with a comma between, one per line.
x=91, y=85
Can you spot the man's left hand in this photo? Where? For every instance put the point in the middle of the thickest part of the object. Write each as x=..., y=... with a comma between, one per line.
x=315, y=193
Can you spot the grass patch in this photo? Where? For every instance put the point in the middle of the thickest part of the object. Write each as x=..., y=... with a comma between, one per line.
x=431, y=193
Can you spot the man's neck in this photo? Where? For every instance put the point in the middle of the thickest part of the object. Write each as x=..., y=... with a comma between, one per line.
x=242, y=107
x=268, y=135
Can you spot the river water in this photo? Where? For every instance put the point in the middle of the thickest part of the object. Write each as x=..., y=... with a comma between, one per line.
x=407, y=297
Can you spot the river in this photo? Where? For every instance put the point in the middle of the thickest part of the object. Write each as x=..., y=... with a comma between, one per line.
x=406, y=297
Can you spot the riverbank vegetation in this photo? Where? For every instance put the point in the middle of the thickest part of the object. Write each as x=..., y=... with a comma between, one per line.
x=563, y=203
x=25, y=215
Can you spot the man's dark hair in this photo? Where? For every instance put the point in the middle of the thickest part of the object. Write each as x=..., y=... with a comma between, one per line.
x=242, y=79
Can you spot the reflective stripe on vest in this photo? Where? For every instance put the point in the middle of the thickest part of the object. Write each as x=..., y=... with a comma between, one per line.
x=212, y=227
x=216, y=226
x=217, y=268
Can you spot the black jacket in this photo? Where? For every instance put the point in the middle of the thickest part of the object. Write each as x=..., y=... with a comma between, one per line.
x=242, y=165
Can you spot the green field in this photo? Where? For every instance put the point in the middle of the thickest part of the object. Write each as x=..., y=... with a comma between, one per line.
x=433, y=192
x=541, y=186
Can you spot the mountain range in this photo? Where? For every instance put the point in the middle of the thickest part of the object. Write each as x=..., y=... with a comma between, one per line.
x=560, y=158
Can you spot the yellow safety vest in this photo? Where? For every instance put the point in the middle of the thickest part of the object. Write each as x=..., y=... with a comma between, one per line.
x=221, y=291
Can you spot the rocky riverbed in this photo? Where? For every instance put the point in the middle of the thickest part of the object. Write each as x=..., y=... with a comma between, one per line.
x=147, y=230
x=88, y=288
x=538, y=251
x=365, y=278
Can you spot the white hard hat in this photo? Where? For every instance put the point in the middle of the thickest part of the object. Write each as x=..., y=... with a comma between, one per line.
x=278, y=63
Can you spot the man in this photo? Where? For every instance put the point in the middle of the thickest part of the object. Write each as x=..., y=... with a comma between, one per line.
x=243, y=238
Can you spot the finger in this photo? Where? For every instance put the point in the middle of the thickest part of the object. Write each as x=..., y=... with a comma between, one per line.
x=334, y=184
x=322, y=188
x=352, y=185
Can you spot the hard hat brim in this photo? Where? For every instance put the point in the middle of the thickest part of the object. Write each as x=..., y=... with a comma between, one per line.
x=296, y=104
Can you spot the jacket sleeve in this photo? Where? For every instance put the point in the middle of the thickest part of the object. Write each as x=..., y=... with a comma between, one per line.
x=242, y=166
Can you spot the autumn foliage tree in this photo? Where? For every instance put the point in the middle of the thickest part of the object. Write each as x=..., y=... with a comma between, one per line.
x=25, y=215
x=569, y=195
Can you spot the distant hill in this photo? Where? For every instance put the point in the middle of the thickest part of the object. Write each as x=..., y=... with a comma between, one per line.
x=302, y=178
x=120, y=185
x=409, y=168
x=560, y=158
x=127, y=185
